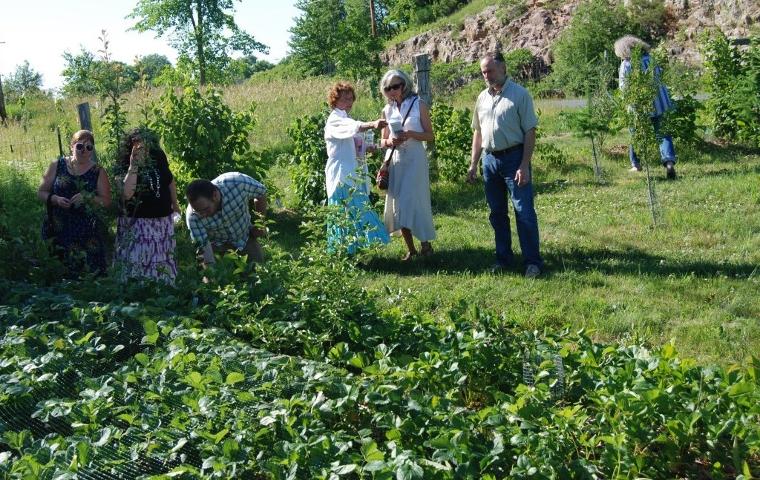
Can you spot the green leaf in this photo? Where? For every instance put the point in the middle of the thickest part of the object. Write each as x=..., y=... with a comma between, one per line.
x=180, y=443
x=142, y=359
x=219, y=436
x=85, y=339
x=83, y=453
x=104, y=437
x=740, y=388
x=344, y=469
x=230, y=448
x=234, y=377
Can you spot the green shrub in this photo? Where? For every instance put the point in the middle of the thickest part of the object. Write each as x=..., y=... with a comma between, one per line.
x=203, y=136
x=453, y=137
x=307, y=164
x=733, y=81
x=520, y=64
x=587, y=44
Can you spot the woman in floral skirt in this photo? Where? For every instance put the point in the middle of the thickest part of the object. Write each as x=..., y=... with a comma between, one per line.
x=145, y=230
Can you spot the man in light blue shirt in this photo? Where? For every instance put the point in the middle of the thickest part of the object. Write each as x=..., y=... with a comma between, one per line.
x=219, y=218
x=504, y=126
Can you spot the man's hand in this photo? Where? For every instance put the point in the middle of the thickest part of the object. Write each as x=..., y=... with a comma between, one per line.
x=522, y=177
x=472, y=174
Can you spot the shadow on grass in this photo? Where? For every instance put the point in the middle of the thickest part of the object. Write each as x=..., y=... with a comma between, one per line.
x=286, y=229
x=461, y=260
x=639, y=262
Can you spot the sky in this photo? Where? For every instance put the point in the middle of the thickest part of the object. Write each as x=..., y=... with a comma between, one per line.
x=40, y=31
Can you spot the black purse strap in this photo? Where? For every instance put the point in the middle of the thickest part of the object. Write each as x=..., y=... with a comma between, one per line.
x=402, y=124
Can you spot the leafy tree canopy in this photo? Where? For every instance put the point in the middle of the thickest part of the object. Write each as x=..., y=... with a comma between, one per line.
x=23, y=81
x=204, y=32
x=150, y=66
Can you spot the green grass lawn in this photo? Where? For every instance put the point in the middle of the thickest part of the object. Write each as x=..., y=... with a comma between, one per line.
x=692, y=280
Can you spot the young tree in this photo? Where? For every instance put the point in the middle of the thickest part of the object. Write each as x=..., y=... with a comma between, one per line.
x=150, y=66
x=335, y=36
x=316, y=36
x=24, y=80
x=78, y=78
x=203, y=31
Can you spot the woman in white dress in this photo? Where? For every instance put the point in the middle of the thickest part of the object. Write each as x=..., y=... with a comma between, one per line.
x=407, y=201
x=345, y=177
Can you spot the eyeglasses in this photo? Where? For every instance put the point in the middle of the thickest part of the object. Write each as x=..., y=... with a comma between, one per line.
x=82, y=146
x=395, y=86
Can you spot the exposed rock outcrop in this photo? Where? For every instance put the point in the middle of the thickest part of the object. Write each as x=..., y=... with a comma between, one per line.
x=542, y=21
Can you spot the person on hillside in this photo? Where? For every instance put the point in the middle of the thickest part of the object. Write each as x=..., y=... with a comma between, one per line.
x=144, y=230
x=345, y=178
x=75, y=190
x=407, y=201
x=662, y=102
x=504, y=126
x=219, y=217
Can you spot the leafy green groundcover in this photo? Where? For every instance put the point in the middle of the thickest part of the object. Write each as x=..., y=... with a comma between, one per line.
x=293, y=372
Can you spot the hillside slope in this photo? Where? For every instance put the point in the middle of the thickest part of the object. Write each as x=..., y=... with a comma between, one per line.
x=536, y=25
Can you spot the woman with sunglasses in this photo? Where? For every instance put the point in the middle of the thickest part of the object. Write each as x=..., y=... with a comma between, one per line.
x=407, y=201
x=145, y=230
x=75, y=190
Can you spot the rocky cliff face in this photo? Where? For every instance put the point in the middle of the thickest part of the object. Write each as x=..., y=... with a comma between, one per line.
x=542, y=21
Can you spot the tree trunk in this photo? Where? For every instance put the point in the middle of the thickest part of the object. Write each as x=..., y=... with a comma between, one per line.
x=199, y=45
x=372, y=17
x=3, y=114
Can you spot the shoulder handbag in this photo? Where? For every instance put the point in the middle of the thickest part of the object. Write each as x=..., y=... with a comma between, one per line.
x=384, y=172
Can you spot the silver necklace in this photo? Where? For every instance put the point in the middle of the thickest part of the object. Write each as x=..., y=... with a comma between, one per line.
x=156, y=187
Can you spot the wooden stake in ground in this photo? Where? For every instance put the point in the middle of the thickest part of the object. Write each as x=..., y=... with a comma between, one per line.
x=3, y=114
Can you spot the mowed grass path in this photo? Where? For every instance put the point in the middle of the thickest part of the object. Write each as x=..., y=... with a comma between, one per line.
x=693, y=280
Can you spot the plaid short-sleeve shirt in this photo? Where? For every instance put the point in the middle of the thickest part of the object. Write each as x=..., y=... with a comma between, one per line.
x=232, y=222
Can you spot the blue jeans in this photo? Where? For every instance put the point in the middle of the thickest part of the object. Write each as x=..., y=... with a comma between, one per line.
x=667, y=151
x=499, y=177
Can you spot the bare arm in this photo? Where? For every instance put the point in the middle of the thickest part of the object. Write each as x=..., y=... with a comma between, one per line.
x=427, y=134
x=103, y=193
x=385, y=134
x=476, y=151
x=379, y=123
x=46, y=187
x=173, y=194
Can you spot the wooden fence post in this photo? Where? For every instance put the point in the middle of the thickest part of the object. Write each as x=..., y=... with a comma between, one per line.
x=3, y=114
x=422, y=82
x=84, y=116
x=60, y=143
x=422, y=77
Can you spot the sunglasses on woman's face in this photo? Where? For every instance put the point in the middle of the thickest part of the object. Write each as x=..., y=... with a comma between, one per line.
x=395, y=86
x=82, y=146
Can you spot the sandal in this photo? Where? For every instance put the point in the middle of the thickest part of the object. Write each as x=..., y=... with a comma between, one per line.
x=426, y=250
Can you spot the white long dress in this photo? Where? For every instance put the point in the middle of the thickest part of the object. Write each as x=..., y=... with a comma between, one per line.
x=407, y=201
